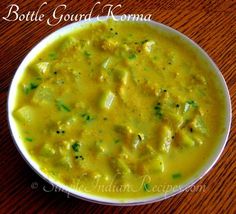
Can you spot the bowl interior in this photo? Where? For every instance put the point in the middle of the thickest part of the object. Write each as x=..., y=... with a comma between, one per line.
x=69, y=28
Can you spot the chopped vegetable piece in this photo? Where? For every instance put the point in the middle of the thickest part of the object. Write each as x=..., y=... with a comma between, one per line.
x=98, y=148
x=198, y=140
x=43, y=95
x=156, y=164
x=41, y=67
x=47, y=150
x=123, y=130
x=199, y=125
x=122, y=76
x=189, y=104
x=186, y=107
x=148, y=152
x=148, y=46
x=164, y=138
x=137, y=140
x=107, y=100
x=120, y=166
x=109, y=45
x=106, y=63
x=25, y=114
x=183, y=139
x=176, y=120
x=68, y=43
x=65, y=161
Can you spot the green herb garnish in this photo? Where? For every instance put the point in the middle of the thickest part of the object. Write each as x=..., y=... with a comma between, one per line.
x=75, y=146
x=86, y=117
x=116, y=141
x=52, y=55
x=61, y=106
x=176, y=175
x=132, y=56
x=192, y=103
x=188, y=104
x=30, y=87
x=87, y=54
x=28, y=139
x=146, y=187
x=158, y=110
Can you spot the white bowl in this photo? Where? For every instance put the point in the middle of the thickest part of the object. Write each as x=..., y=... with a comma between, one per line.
x=98, y=199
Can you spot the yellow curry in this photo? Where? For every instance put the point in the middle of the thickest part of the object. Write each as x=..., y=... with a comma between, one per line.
x=119, y=109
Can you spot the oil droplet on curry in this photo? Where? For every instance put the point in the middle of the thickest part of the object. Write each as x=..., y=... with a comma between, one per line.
x=119, y=109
